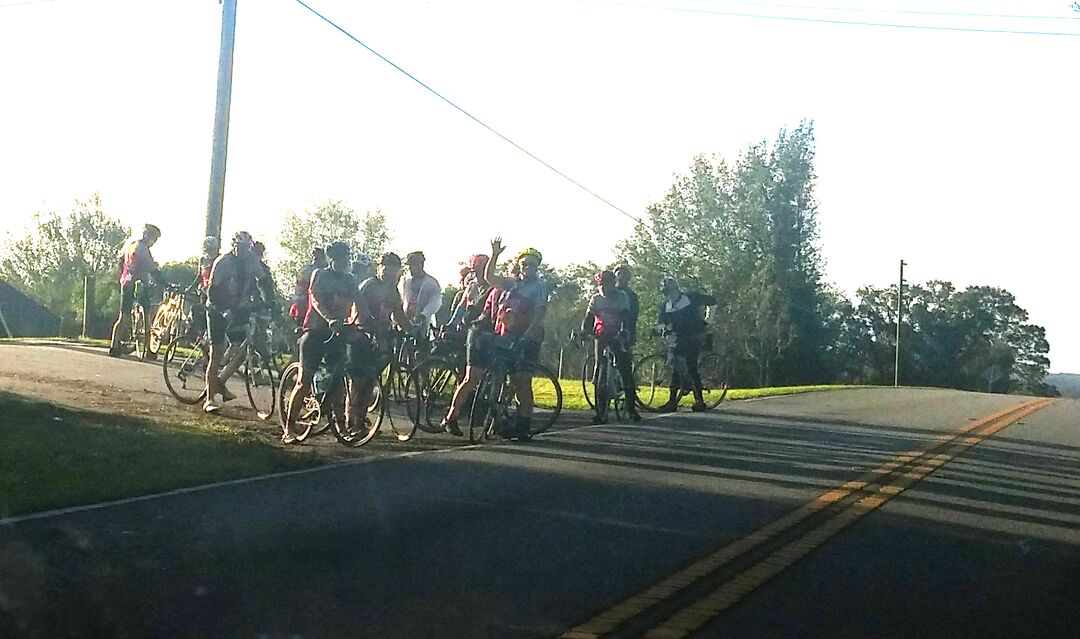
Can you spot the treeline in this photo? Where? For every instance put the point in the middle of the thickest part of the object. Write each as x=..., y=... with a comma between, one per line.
x=744, y=231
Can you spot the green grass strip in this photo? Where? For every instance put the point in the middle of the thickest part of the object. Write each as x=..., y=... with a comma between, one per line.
x=54, y=457
x=574, y=398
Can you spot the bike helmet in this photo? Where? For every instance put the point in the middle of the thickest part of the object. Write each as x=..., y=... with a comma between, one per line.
x=338, y=250
x=259, y=249
x=667, y=282
x=603, y=275
x=478, y=262
x=530, y=251
x=211, y=244
x=150, y=229
x=242, y=238
x=389, y=259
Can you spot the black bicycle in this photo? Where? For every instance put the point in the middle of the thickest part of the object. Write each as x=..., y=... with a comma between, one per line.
x=498, y=395
x=655, y=373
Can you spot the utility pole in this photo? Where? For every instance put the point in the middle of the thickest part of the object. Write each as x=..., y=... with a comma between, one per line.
x=899, y=310
x=221, y=120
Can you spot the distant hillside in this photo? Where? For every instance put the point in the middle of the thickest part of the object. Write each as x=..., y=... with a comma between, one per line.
x=1067, y=383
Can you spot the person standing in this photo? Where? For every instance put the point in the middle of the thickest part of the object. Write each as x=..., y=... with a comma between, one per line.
x=333, y=300
x=683, y=315
x=137, y=269
x=607, y=317
x=622, y=282
x=421, y=294
x=234, y=280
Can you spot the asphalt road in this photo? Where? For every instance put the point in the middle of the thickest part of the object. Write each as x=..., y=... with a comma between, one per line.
x=965, y=534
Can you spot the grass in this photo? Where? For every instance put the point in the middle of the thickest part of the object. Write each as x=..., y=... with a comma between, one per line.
x=574, y=398
x=89, y=341
x=54, y=457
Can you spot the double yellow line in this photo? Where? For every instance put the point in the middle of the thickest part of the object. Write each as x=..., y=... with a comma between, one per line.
x=849, y=502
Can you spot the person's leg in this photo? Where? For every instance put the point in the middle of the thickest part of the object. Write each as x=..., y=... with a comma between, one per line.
x=598, y=384
x=695, y=378
x=622, y=362
x=146, y=295
x=122, y=327
x=310, y=356
x=523, y=388
x=215, y=331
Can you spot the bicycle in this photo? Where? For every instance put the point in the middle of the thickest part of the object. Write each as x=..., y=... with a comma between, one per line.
x=169, y=316
x=654, y=373
x=608, y=387
x=187, y=358
x=138, y=340
x=495, y=402
x=325, y=408
x=588, y=365
x=436, y=377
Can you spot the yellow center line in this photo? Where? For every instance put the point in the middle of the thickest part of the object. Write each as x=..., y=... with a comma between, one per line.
x=666, y=588
x=707, y=608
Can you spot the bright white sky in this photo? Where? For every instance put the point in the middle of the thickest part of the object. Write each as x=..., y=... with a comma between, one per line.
x=955, y=151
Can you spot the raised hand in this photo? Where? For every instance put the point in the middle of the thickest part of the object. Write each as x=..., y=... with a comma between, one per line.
x=497, y=247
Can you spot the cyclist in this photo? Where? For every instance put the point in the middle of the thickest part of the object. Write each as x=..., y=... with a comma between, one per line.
x=607, y=317
x=622, y=283
x=234, y=280
x=333, y=299
x=518, y=309
x=683, y=314
x=474, y=292
x=137, y=266
x=421, y=294
x=267, y=295
x=379, y=308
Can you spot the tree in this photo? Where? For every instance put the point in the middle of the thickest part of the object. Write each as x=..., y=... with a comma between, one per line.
x=747, y=234
x=50, y=262
x=330, y=222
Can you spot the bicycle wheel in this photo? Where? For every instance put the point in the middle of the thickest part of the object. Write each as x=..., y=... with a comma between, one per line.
x=355, y=427
x=184, y=368
x=714, y=381
x=261, y=384
x=159, y=333
x=404, y=422
x=653, y=378
x=480, y=413
x=547, y=396
x=587, y=378
x=309, y=420
x=602, y=395
x=138, y=330
x=437, y=379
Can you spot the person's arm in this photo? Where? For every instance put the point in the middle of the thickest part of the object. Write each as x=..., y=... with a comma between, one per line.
x=498, y=281
x=588, y=323
x=219, y=273
x=705, y=300
x=266, y=287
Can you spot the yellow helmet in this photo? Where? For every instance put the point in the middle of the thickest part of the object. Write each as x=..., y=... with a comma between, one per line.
x=531, y=251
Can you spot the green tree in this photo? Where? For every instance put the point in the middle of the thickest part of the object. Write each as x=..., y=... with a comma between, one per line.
x=747, y=234
x=333, y=221
x=51, y=260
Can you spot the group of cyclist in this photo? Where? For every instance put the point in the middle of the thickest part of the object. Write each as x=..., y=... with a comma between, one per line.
x=367, y=300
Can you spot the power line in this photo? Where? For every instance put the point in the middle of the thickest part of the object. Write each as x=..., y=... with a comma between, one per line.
x=471, y=116
x=899, y=11
x=831, y=21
